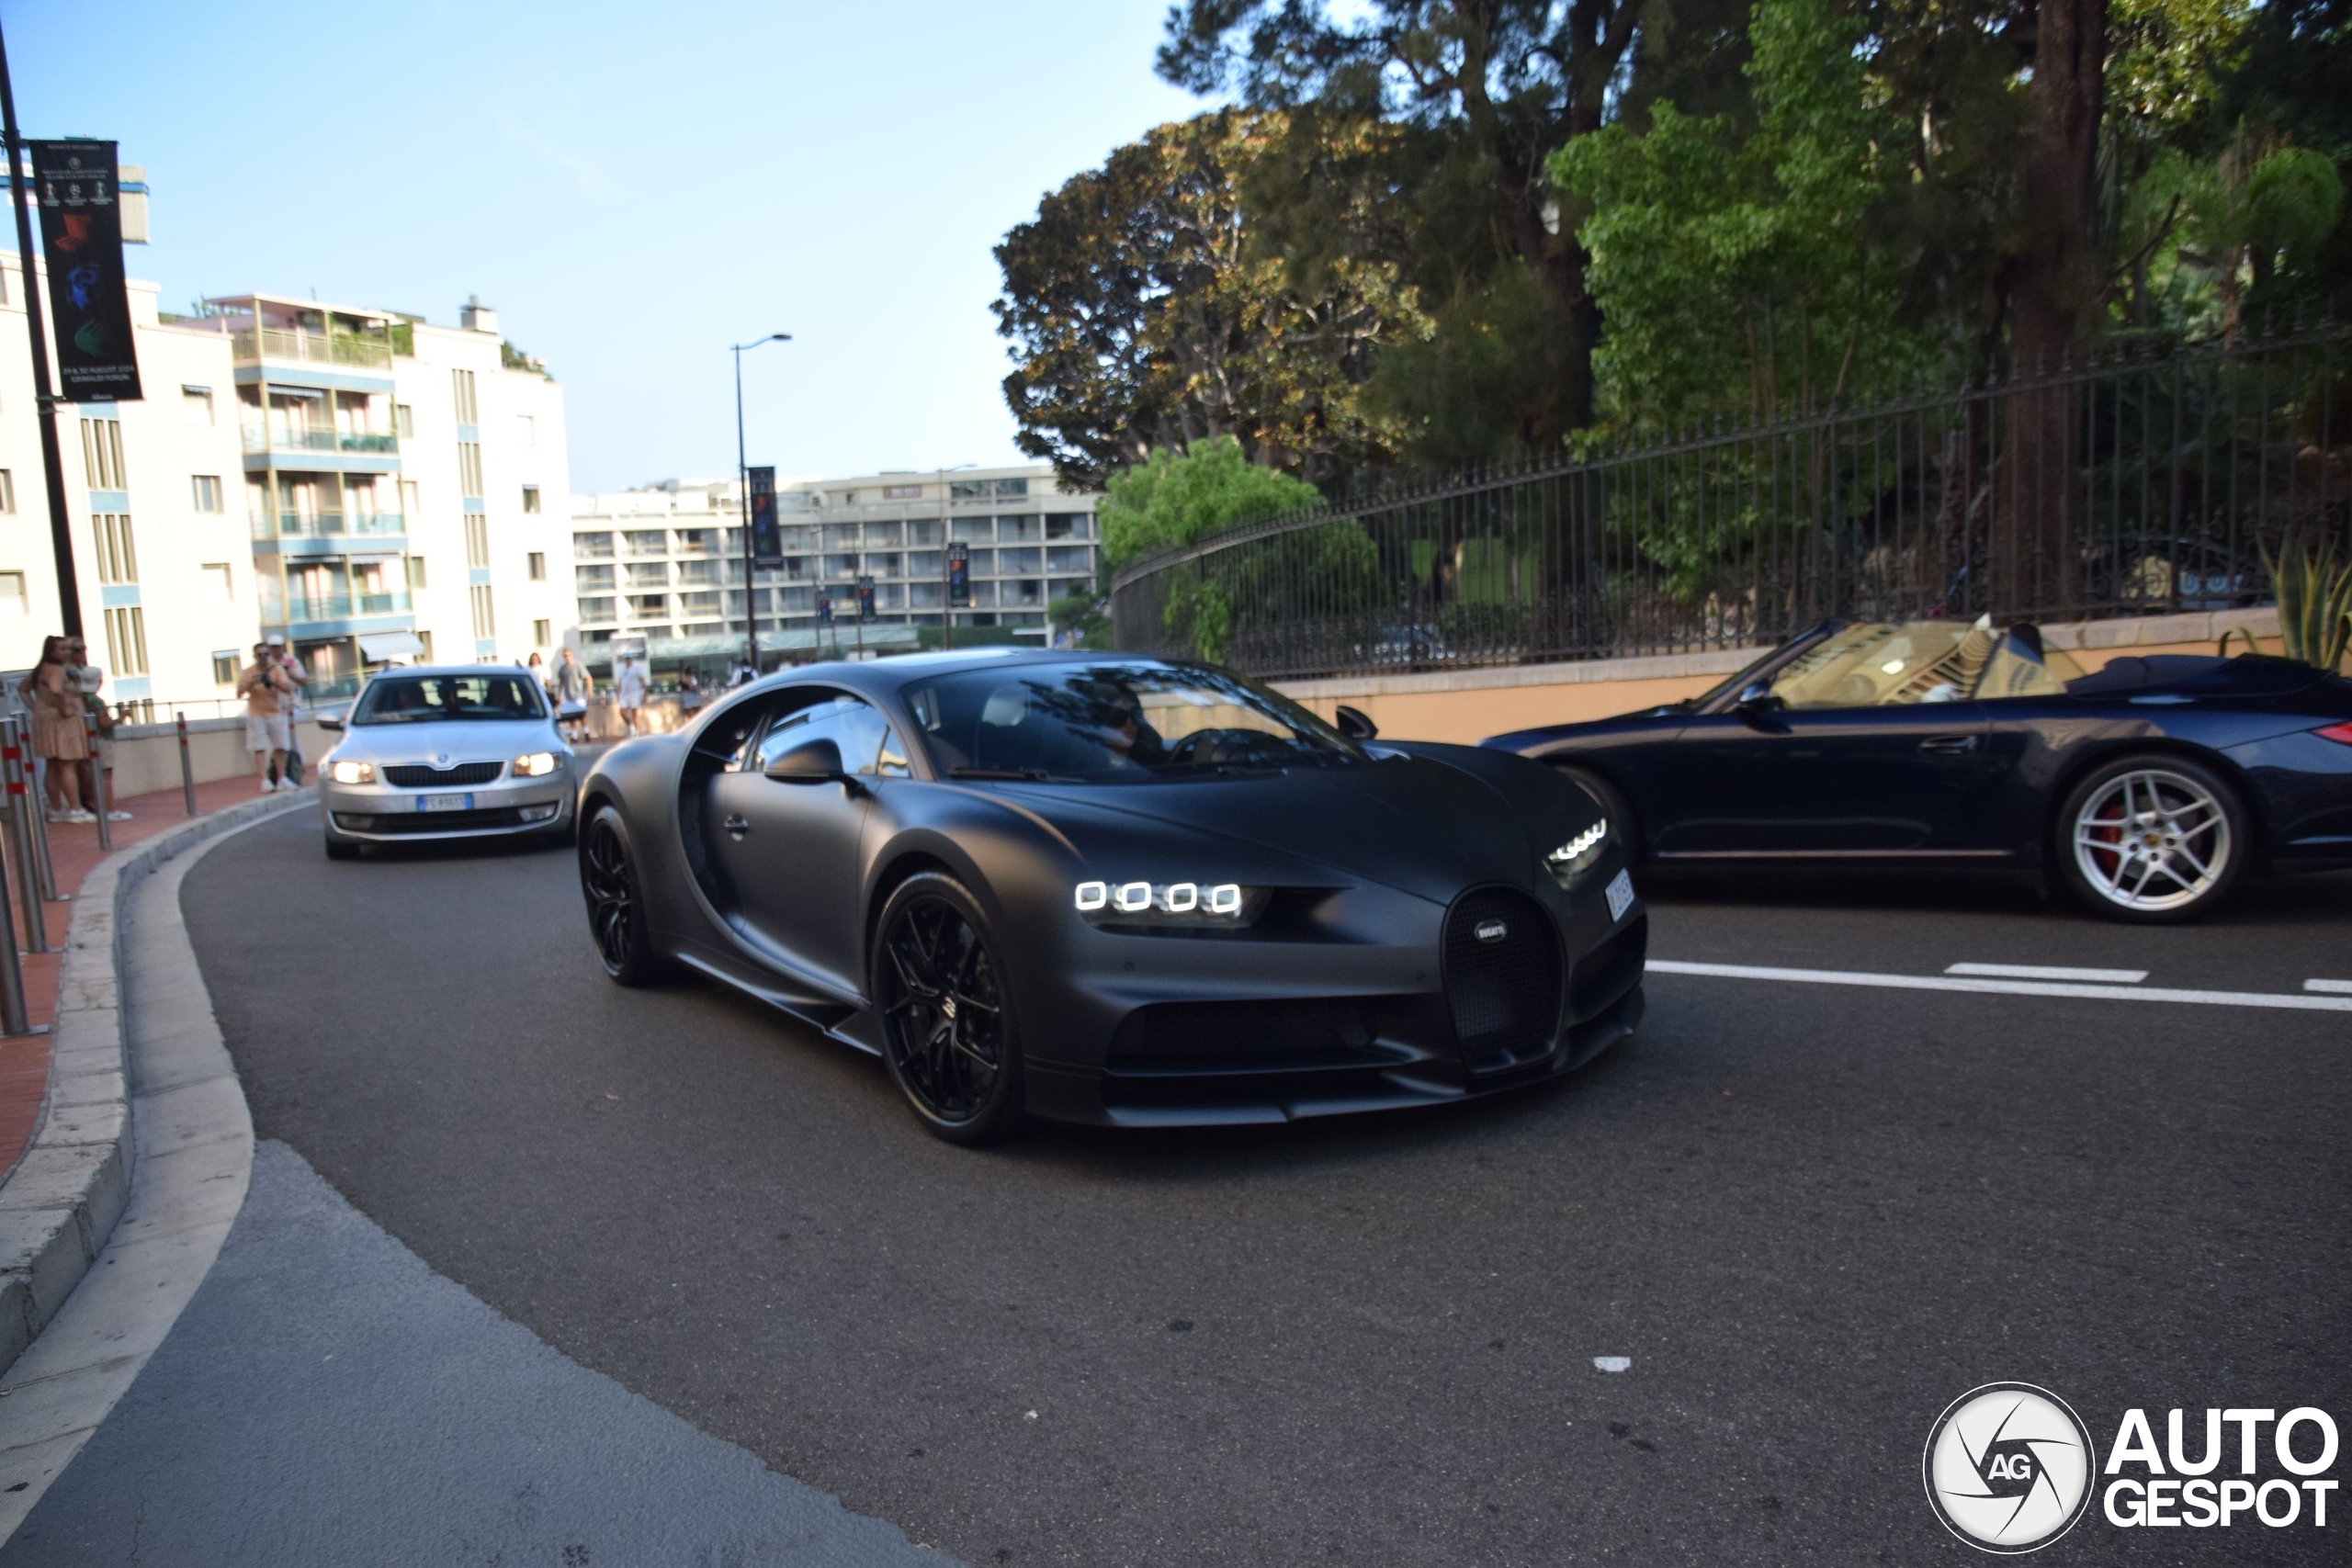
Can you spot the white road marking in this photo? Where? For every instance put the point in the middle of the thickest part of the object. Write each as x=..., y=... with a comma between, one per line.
x=2047, y=971
x=2330, y=988
x=1614, y=1364
x=2004, y=987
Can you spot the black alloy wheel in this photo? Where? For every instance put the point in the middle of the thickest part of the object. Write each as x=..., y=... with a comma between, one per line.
x=615, y=912
x=947, y=1033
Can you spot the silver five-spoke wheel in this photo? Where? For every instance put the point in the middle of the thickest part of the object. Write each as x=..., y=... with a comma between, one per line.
x=2153, y=841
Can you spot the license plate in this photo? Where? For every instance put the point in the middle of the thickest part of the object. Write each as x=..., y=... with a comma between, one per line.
x=1621, y=895
x=445, y=803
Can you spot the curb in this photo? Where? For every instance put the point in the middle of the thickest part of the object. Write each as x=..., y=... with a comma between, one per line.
x=59, y=1204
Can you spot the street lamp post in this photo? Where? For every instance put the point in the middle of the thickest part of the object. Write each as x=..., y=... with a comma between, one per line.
x=743, y=502
x=946, y=597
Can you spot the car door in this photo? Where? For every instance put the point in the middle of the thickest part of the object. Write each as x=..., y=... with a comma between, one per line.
x=789, y=852
x=1866, y=746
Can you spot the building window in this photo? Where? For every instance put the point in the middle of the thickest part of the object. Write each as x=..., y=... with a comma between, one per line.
x=403, y=419
x=126, y=641
x=477, y=539
x=102, y=452
x=7, y=491
x=417, y=571
x=13, y=601
x=539, y=634
x=538, y=565
x=196, y=405
x=468, y=467
x=224, y=668
x=902, y=492
x=527, y=431
x=596, y=609
x=462, y=386
x=118, y=556
x=208, y=491
x=223, y=579
x=530, y=501
x=485, y=620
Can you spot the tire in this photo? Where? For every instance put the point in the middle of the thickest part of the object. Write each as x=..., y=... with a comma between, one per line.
x=948, y=1034
x=2152, y=838
x=1622, y=820
x=617, y=918
x=339, y=850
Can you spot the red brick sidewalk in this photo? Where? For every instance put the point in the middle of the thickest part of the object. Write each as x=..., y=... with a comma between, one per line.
x=73, y=851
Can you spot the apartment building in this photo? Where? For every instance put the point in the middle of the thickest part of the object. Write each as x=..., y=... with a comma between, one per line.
x=665, y=563
x=370, y=485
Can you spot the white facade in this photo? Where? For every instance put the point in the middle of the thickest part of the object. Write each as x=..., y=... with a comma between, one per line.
x=294, y=468
x=666, y=562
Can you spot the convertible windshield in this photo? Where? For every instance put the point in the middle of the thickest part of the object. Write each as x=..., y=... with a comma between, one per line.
x=429, y=699
x=1115, y=722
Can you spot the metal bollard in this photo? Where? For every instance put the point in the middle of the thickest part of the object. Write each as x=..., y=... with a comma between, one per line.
x=97, y=780
x=13, y=1020
x=22, y=808
x=187, y=766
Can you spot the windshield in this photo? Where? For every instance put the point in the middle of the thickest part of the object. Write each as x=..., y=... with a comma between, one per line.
x=430, y=699
x=1115, y=722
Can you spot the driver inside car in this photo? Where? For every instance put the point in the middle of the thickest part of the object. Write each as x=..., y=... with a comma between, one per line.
x=1125, y=733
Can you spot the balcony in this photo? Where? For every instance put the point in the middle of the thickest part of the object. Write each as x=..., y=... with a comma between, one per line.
x=307, y=609
x=256, y=344
x=259, y=438
x=327, y=525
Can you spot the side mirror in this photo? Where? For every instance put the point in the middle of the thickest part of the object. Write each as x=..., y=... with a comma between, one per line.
x=570, y=712
x=1354, y=724
x=1756, y=701
x=329, y=721
x=811, y=761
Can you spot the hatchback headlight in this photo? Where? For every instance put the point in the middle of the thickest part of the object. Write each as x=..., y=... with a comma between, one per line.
x=352, y=772
x=536, y=765
x=1569, y=863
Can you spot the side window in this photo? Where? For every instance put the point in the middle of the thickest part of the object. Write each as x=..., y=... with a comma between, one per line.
x=868, y=745
x=787, y=730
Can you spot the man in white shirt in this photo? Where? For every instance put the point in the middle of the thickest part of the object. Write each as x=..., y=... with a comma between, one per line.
x=628, y=692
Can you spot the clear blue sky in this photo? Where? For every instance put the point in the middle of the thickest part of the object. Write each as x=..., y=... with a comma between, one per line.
x=633, y=186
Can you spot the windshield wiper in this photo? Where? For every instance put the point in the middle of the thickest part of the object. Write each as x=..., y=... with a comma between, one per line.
x=1033, y=776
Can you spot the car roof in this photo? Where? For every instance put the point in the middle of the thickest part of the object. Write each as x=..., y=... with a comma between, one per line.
x=452, y=670
x=880, y=677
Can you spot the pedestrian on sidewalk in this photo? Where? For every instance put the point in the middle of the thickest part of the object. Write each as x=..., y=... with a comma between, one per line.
x=268, y=692
x=689, y=696
x=572, y=683
x=300, y=678
x=538, y=667
x=87, y=678
x=57, y=736
x=629, y=687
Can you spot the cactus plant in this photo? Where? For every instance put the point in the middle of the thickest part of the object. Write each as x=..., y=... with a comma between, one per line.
x=2315, y=589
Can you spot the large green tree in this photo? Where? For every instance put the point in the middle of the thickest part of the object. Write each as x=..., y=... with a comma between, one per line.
x=1142, y=320
x=1465, y=99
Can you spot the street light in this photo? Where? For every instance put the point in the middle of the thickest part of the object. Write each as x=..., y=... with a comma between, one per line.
x=743, y=502
x=947, y=598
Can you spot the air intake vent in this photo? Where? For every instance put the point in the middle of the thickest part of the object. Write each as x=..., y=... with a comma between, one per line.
x=416, y=775
x=1502, y=975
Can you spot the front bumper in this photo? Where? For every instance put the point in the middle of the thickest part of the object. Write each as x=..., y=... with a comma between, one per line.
x=382, y=814
x=1327, y=1032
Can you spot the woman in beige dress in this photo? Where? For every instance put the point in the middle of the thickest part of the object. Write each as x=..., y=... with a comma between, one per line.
x=59, y=739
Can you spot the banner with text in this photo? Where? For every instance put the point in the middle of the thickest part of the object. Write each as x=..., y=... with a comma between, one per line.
x=768, y=540
x=89, y=299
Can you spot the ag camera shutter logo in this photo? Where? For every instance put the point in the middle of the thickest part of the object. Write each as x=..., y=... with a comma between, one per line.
x=2008, y=1468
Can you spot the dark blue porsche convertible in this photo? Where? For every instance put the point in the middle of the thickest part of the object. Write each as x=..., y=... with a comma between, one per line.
x=2149, y=787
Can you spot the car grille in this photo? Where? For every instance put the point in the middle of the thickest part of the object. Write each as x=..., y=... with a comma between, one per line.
x=1504, y=993
x=1302, y=1030
x=416, y=775
x=433, y=821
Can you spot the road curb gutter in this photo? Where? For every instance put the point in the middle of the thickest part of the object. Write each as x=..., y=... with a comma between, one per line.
x=59, y=1207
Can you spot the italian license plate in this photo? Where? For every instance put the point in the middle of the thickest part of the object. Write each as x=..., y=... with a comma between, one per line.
x=1621, y=895
x=445, y=803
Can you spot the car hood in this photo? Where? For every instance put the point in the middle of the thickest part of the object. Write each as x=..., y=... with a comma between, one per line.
x=1410, y=823
x=466, y=741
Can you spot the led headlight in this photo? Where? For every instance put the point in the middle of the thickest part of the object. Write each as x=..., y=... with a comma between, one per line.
x=352, y=772
x=534, y=765
x=1194, y=904
x=1568, y=864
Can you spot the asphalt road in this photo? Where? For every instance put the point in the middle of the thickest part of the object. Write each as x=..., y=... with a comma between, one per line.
x=1811, y=1216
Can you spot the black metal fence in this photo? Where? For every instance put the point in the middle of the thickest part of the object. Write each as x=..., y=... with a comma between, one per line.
x=2146, y=482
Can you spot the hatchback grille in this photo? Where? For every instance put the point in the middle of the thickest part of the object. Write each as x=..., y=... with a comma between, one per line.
x=416, y=776
x=1503, y=973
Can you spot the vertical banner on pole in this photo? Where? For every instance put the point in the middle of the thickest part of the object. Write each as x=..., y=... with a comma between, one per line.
x=81, y=240
x=767, y=539
x=824, y=606
x=865, y=600
x=959, y=576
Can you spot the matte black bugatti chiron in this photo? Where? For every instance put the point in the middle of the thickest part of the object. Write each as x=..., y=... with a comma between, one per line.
x=2149, y=787
x=1116, y=890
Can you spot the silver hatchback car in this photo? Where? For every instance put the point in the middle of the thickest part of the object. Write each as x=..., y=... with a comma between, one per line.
x=456, y=751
